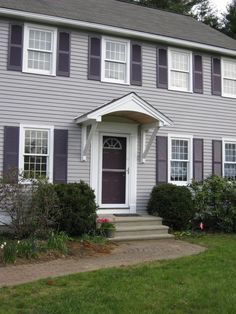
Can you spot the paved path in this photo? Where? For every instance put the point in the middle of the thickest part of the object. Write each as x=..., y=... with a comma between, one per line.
x=128, y=253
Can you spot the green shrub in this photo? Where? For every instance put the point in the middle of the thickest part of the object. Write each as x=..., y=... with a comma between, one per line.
x=77, y=202
x=215, y=204
x=8, y=252
x=28, y=248
x=173, y=203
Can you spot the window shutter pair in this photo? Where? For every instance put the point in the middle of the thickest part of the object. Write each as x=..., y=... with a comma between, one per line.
x=11, y=153
x=162, y=159
x=94, y=61
x=162, y=70
x=15, y=50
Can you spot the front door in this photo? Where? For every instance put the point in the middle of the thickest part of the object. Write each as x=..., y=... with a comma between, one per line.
x=114, y=170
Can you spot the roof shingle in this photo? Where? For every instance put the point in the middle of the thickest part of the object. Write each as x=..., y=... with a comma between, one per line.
x=127, y=16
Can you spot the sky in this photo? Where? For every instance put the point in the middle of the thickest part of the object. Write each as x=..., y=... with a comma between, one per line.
x=220, y=5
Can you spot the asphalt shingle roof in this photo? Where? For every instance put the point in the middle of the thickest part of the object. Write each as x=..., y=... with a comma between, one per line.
x=128, y=16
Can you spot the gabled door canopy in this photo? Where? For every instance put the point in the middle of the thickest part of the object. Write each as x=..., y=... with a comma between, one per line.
x=131, y=107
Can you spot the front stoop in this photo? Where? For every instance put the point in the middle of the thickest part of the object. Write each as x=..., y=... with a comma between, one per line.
x=143, y=227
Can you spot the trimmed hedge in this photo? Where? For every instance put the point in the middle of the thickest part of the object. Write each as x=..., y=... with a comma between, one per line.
x=173, y=203
x=77, y=203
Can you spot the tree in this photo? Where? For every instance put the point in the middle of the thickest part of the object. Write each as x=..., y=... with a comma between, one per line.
x=230, y=20
x=178, y=6
x=205, y=13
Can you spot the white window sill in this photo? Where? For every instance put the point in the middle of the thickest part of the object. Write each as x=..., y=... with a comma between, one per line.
x=228, y=96
x=114, y=82
x=38, y=73
x=180, y=90
x=179, y=183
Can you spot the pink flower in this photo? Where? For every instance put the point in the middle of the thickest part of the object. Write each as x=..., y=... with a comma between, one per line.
x=103, y=220
x=201, y=226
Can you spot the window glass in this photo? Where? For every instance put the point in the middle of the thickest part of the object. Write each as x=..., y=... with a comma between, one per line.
x=115, y=61
x=229, y=78
x=179, y=163
x=36, y=147
x=230, y=161
x=180, y=73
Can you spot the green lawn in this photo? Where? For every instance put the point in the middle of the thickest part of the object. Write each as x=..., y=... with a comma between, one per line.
x=205, y=283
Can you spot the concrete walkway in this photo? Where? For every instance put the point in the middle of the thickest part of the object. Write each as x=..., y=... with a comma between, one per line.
x=128, y=253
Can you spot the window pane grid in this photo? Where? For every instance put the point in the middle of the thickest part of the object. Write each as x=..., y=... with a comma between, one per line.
x=229, y=77
x=180, y=70
x=179, y=160
x=230, y=152
x=115, y=61
x=36, y=153
x=40, y=40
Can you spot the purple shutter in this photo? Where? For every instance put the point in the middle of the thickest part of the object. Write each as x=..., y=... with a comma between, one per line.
x=11, y=153
x=60, y=156
x=198, y=159
x=161, y=159
x=94, y=58
x=217, y=157
x=197, y=74
x=162, y=67
x=216, y=76
x=136, y=64
x=15, y=47
x=63, y=54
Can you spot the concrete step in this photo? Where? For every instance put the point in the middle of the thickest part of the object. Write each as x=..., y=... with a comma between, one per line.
x=137, y=221
x=142, y=237
x=141, y=230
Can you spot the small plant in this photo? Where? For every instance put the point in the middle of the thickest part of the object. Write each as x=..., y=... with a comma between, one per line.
x=57, y=241
x=106, y=227
x=28, y=248
x=9, y=252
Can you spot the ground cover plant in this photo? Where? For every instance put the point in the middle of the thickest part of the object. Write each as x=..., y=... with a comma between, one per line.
x=204, y=283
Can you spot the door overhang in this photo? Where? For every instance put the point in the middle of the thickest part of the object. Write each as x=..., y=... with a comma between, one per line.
x=131, y=108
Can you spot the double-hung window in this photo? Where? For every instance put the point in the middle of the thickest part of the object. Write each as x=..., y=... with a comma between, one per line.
x=115, y=60
x=228, y=77
x=229, y=152
x=36, y=152
x=180, y=70
x=40, y=50
x=180, y=156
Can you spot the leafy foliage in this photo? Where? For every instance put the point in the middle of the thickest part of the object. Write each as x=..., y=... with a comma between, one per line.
x=230, y=20
x=215, y=204
x=77, y=202
x=173, y=203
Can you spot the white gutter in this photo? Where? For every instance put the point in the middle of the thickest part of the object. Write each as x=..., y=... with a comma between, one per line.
x=113, y=30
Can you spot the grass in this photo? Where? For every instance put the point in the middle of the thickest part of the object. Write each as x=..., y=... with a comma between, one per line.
x=205, y=283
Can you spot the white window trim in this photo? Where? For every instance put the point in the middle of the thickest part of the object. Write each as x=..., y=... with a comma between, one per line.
x=170, y=50
x=189, y=138
x=27, y=28
x=103, y=78
x=222, y=78
x=24, y=127
x=226, y=141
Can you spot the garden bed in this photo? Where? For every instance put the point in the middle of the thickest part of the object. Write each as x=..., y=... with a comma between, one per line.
x=75, y=249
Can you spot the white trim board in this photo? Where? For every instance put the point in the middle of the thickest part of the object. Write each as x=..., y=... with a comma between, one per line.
x=36, y=17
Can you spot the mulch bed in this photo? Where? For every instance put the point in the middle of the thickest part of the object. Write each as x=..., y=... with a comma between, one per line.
x=76, y=250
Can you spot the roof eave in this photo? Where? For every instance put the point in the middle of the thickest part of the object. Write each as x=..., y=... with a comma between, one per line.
x=113, y=30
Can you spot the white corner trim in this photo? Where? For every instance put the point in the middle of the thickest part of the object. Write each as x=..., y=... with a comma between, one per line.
x=113, y=30
x=49, y=128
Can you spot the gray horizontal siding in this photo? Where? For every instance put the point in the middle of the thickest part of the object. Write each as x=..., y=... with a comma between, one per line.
x=34, y=99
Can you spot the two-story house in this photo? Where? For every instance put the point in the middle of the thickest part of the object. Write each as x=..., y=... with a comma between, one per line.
x=115, y=94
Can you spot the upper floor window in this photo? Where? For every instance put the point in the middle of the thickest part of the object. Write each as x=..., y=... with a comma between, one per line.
x=180, y=160
x=229, y=153
x=115, y=60
x=40, y=50
x=228, y=77
x=180, y=70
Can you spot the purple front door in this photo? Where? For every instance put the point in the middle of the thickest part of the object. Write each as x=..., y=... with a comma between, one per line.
x=114, y=170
